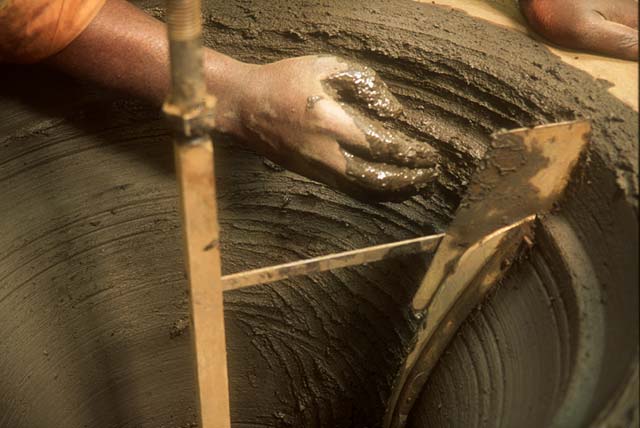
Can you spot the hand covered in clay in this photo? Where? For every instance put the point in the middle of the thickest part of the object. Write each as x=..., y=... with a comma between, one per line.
x=325, y=118
x=608, y=27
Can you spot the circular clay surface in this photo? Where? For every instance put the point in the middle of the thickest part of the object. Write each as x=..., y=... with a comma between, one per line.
x=94, y=328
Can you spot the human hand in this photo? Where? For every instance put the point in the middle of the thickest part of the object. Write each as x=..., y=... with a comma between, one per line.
x=608, y=27
x=325, y=118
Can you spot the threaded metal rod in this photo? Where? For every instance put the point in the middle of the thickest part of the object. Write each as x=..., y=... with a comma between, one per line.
x=183, y=19
x=184, y=27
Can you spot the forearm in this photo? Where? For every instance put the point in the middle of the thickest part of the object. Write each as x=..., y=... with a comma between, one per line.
x=125, y=49
x=320, y=116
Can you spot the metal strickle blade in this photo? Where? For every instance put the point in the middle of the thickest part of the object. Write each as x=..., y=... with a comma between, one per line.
x=525, y=171
x=331, y=262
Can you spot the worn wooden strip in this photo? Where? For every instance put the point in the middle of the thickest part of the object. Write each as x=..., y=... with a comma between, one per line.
x=194, y=164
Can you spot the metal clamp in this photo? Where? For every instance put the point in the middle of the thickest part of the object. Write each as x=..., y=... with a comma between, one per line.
x=195, y=121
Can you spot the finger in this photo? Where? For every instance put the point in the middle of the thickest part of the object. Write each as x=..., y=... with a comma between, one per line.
x=390, y=146
x=383, y=177
x=623, y=12
x=609, y=38
x=370, y=140
x=362, y=85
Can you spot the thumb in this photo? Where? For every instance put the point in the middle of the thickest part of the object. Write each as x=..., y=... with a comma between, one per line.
x=622, y=12
x=578, y=24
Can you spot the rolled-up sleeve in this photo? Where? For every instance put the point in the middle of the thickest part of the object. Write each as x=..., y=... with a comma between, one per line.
x=31, y=30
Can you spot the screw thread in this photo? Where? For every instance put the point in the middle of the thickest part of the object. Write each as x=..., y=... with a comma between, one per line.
x=183, y=19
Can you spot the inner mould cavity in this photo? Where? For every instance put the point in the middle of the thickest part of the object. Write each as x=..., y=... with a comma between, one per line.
x=94, y=328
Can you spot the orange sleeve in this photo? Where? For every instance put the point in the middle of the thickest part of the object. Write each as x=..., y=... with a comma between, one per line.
x=31, y=30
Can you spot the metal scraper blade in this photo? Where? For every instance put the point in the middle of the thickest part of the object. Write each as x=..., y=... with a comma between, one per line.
x=525, y=171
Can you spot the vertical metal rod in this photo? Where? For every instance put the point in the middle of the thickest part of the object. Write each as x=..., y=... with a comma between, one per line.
x=188, y=88
x=189, y=108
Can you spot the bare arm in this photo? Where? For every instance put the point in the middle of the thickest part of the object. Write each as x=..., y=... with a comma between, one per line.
x=125, y=49
x=309, y=126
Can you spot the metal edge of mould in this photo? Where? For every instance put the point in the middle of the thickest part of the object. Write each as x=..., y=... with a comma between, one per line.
x=487, y=261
